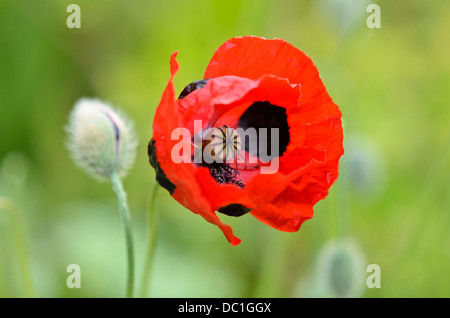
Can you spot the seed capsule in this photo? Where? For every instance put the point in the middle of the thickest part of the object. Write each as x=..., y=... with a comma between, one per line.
x=225, y=143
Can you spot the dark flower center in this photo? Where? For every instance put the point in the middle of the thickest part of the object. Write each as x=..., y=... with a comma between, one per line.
x=263, y=118
x=265, y=115
x=220, y=171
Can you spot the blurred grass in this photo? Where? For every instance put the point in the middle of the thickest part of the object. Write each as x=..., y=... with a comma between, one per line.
x=390, y=83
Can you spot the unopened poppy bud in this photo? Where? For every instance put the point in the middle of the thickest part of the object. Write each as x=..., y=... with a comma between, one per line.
x=341, y=269
x=101, y=140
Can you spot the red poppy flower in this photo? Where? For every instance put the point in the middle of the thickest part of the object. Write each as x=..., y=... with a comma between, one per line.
x=250, y=83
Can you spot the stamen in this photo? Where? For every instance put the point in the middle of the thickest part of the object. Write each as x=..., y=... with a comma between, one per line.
x=223, y=173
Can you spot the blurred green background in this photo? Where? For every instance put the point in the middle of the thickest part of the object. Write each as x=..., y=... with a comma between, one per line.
x=392, y=198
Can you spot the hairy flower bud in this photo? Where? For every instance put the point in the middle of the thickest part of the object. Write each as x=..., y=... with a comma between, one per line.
x=341, y=269
x=101, y=139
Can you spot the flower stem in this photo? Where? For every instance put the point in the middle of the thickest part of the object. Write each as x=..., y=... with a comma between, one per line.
x=125, y=217
x=19, y=239
x=151, y=241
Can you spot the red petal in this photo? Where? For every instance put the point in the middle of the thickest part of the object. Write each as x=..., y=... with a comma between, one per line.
x=285, y=213
x=253, y=57
x=245, y=70
x=187, y=192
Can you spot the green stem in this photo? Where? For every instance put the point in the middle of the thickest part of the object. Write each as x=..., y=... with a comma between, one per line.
x=151, y=241
x=125, y=217
x=19, y=239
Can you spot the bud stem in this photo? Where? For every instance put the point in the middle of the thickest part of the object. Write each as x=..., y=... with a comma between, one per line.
x=125, y=217
x=19, y=238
